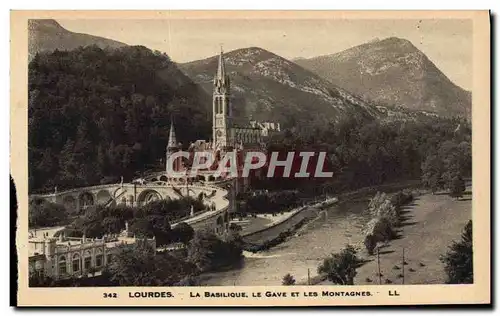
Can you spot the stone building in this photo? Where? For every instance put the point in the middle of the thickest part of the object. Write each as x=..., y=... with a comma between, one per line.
x=71, y=257
x=227, y=135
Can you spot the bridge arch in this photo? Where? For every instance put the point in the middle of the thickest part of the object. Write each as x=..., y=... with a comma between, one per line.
x=69, y=203
x=103, y=197
x=148, y=196
x=164, y=178
x=86, y=199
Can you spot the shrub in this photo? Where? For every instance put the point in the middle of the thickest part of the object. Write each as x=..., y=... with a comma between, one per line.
x=370, y=243
x=340, y=268
x=458, y=259
x=288, y=279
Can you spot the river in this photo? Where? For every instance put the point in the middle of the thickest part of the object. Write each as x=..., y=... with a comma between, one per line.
x=342, y=225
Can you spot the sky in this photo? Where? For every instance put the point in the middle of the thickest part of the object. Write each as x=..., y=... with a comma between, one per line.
x=447, y=42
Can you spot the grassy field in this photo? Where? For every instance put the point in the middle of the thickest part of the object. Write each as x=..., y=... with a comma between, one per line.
x=431, y=223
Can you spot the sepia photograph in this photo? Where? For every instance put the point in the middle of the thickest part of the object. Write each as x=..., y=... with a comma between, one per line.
x=214, y=153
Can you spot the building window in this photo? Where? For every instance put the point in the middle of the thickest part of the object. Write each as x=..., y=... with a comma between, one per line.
x=76, y=262
x=87, y=261
x=98, y=258
x=62, y=265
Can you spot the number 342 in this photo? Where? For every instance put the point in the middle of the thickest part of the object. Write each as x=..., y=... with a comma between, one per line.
x=109, y=295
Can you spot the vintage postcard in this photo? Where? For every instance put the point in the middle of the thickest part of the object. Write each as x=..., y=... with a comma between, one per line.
x=251, y=158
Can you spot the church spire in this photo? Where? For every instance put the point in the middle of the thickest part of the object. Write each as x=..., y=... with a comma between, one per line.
x=221, y=80
x=172, y=147
x=221, y=71
x=172, y=140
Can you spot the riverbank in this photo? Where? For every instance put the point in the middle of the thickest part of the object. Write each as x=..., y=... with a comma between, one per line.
x=251, y=225
x=431, y=223
x=297, y=254
x=343, y=224
x=279, y=230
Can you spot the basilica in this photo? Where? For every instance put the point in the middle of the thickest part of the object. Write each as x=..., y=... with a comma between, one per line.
x=227, y=135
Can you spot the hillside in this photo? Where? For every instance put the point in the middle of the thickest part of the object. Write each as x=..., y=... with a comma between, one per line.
x=97, y=113
x=392, y=72
x=48, y=35
x=266, y=86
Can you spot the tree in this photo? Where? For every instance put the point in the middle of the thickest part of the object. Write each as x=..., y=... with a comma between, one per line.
x=456, y=186
x=140, y=266
x=183, y=233
x=112, y=224
x=288, y=280
x=432, y=170
x=102, y=163
x=109, y=105
x=458, y=260
x=208, y=252
x=91, y=222
x=141, y=227
x=68, y=163
x=370, y=243
x=340, y=268
x=45, y=213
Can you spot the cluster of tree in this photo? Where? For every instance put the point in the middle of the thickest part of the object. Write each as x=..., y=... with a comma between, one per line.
x=340, y=268
x=268, y=201
x=363, y=152
x=96, y=115
x=458, y=260
x=152, y=219
x=447, y=166
x=208, y=252
x=385, y=210
x=42, y=213
x=143, y=266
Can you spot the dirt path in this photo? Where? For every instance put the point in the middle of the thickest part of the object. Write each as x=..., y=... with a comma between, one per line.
x=431, y=223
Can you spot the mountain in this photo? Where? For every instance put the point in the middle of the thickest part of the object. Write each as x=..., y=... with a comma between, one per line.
x=392, y=72
x=48, y=35
x=267, y=87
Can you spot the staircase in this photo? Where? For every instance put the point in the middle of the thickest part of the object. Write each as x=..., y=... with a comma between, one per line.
x=178, y=191
x=120, y=194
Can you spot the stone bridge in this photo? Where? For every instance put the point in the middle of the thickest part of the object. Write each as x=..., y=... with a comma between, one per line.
x=133, y=194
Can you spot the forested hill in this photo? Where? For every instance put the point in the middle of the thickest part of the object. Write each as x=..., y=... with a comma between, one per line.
x=96, y=113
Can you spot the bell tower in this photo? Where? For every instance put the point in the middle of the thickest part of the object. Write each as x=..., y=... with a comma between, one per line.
x=221, y=107
x=172, y=147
